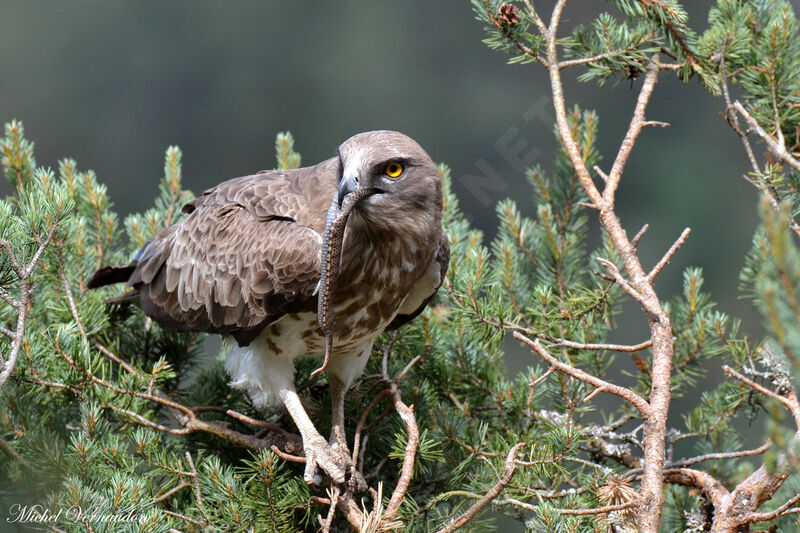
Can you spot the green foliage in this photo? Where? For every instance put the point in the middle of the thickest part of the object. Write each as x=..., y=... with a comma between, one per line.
x=284, y=146
x=95, y=414
x=762, y=55
x=623, y=49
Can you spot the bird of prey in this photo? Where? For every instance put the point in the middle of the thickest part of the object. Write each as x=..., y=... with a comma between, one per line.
x=249, y=262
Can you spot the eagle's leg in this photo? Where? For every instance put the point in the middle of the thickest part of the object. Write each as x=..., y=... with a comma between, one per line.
x=338, y=439
x=318, y=451
x=342, y=370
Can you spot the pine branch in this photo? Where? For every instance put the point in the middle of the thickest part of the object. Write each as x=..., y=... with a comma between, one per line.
x=718, y=456
x=602, y=385
x=412, y=444
x=23, y=274
x=776, y=147
x=790, y=400
x=667, y=256
x=783, y=510
x=599, y=510
x=649, y=512
x=494, y=492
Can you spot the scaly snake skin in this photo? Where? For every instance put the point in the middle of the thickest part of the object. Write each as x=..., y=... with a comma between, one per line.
x=330, y=264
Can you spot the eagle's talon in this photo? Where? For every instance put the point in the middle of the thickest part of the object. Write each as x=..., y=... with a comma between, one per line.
x=319, y=453
x=355, y=480
x=357, y=484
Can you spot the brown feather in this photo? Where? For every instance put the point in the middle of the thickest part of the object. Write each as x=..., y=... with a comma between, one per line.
x=247, y=253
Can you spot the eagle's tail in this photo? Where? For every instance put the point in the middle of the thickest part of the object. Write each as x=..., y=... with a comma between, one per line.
x=108, y=275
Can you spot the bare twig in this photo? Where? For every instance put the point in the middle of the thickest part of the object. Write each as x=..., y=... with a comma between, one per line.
x=639, y=235
x=198, y=496
x=334, y=499
x=535, y=16
x=494, y=492
x=780, y=511
x=599, y=57
x=634, y=129
x=655, y=123
x=601, y=173
x=412, y=445
x=12, y=453
x=73, y=308
x=541, y=378
x=667, y=256
x=121, y=362
x=599, y=510
x=776, y=148
x=626, y=285
x=167, y=495
x=640, y=287
x=609, y=347
x=790, y=403
x=182, y=517
x=703, y=481
x=288, y=457
x=363, y=420
x=623, y=392
x=716, y=456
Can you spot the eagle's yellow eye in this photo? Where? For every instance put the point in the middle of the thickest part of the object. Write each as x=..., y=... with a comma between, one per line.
x=393, y=169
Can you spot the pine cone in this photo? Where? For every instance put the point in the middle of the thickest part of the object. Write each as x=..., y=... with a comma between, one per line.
x=508, y=15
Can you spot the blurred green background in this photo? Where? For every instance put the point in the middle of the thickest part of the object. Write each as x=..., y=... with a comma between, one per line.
x=112, y=84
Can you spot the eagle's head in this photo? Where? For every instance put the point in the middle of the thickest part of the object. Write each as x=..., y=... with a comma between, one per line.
x=406, y=184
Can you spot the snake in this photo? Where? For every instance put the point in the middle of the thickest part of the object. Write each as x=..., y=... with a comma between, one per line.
x=331, y=256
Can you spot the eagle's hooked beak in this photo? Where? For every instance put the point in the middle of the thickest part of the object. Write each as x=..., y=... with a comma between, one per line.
x=348, y=184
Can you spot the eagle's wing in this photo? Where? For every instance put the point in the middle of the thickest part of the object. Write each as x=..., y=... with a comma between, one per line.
x=248, y=252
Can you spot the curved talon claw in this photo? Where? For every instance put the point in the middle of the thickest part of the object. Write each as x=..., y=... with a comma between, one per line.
x=319, y=453
x=355, y=480
x=357, y=484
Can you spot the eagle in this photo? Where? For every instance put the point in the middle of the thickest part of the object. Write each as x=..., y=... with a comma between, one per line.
x=309, y=261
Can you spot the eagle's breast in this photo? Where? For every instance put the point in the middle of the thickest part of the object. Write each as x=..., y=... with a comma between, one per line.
x=379, y=278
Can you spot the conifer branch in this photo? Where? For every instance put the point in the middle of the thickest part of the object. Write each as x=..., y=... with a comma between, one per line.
x=732, y=116
x=718, y=456
x=790, y=400
x=634, y=129
x=503, y=29
x=494, y=492
x=776, y=147
x=23, y=273
x=783, y=510
x=649, y=512
x=667, y=256
x=599, y=510
x=624, y=393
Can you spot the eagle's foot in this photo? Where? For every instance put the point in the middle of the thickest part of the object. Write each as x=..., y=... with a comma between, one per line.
x=320, y=454
x=355, y=480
